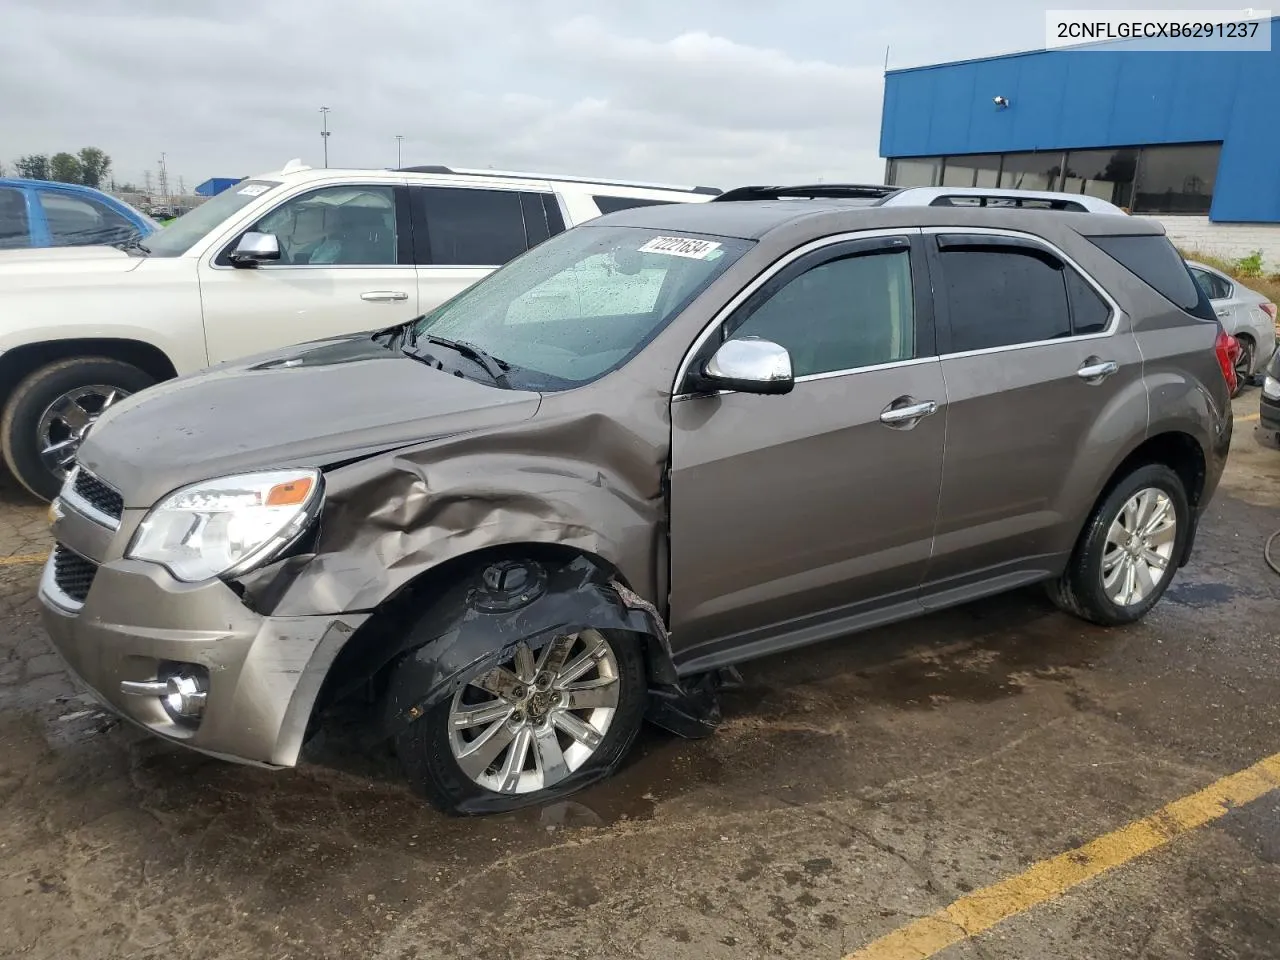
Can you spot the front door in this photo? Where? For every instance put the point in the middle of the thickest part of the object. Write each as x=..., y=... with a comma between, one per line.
x=791, y=513
x=346, y=265
x=1041, y=380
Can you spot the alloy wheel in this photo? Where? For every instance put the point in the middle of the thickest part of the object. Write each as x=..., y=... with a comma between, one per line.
x=1139, y=547
x=531, y=721
x=64, y=423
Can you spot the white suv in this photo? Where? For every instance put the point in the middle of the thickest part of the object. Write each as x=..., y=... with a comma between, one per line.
x=299, y=254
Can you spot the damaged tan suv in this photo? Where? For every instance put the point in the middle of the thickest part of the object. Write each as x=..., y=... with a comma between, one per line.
x=670, y=440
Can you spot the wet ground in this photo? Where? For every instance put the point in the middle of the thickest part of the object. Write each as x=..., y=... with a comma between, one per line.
x=853, y=787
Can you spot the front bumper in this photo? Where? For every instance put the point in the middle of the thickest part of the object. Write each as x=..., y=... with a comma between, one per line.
x=264, y=672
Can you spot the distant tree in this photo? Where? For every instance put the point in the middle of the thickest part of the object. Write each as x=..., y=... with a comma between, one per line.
x=65, y=168
x=94, y=165
x=34, y=166
x=127, y=187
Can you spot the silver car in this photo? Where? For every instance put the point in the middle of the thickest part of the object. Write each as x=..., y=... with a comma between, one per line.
x=1245, y=314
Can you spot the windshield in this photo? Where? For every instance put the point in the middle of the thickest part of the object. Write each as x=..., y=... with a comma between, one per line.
x=180, y=235
x=583, y=303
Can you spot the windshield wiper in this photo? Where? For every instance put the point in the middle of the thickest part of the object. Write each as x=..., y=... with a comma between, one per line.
x=133, y=243
x=492, y=365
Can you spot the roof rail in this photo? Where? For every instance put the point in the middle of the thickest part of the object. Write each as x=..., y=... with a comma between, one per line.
x=833, y=191
x=557, y=178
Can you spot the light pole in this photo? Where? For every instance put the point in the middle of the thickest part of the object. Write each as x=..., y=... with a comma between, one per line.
x=324, y=133
x=399, y=139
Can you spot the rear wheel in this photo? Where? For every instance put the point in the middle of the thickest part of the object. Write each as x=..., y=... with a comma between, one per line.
x=50, y=411
x=530, y=727
x=1129, y=550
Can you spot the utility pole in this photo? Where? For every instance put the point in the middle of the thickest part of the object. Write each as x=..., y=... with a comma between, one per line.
x=399, y=140
x=164, y=180
x=146, y=182
x=324, y=132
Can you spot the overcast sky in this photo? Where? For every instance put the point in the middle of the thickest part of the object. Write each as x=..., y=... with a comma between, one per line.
x=687, y=91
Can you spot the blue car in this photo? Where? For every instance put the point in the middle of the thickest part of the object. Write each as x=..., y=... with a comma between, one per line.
x=40, y=213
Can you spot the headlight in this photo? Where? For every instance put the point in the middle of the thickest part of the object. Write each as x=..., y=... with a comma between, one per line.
x=228, y=525
x=1271, y=388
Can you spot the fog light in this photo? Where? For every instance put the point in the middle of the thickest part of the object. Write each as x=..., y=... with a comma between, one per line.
x=186, y=696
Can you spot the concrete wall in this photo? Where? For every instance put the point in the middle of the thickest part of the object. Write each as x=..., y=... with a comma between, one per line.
x=1086, y=99
x=1231, y=241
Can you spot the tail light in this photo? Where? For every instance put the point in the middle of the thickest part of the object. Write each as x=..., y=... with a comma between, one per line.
x=1227, y=349
x=1270, y=310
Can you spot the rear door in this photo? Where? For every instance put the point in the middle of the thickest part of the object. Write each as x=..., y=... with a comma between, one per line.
x=462, y=234
x=789, y=513
x=346, y=265
x=1038, y=364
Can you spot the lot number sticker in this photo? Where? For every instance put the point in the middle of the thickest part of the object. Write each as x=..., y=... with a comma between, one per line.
x=254, y=190
x=681, y=247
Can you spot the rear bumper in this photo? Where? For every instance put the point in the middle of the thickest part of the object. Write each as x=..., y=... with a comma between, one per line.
x=264, y=672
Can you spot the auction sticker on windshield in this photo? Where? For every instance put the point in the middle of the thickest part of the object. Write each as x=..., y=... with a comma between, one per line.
x=254, y=189
x=681, y=247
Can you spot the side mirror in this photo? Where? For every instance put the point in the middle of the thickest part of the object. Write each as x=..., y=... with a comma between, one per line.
x=255, y=248
x=748, y=365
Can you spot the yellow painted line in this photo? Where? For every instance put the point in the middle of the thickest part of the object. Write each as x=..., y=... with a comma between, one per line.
x=1247, y=416
x=1048, y=879
x=25, y=558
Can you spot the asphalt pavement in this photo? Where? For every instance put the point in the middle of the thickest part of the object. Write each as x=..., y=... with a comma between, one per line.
x=997, y=781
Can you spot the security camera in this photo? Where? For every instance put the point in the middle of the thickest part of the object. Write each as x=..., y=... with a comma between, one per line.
x=1000, y=101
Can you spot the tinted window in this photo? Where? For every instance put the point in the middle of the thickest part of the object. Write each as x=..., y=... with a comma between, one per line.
x=846, y=313
x=1089, y=312
x=915, y=172
x=534, y=212
x=614, y=204
x=1177, y=179
x=76, y=221
x=14, y=229
x=980, y=171
x=1154, y=260
x=1105, y=174
x=472, y=228
x=1031, y=171
x=997, y=296
x=349, y=226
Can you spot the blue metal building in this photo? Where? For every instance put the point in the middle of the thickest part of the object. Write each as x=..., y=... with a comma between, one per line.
x=1185, y=132
x=215, y=185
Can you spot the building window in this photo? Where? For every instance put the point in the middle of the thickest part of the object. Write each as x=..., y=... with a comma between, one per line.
x=1105, y=174
x=1177, y=179
x=915, y=172
x=1031, y=171
x=972, y=171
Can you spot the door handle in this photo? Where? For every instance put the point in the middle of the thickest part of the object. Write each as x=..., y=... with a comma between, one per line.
x=1095, y=370
x=384, y=296
x=907, y=415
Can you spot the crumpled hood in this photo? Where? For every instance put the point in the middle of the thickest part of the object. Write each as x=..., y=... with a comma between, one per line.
x=311, y=404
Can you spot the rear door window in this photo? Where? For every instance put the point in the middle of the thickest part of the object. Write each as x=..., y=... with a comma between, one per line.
x=1214, y=286
x=77, y=221
x=999, y=296
x=15, y=230
x=466, y=227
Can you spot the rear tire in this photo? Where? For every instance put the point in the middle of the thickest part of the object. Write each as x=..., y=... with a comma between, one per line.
x=434, y=748
x=1094, y=584
x=31, y=414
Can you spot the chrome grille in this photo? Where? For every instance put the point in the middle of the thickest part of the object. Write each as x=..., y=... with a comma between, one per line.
x=97, y=494
x=72, y=573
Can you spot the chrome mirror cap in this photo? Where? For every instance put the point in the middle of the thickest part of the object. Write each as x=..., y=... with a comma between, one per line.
x=256, y=248
x=750, y=365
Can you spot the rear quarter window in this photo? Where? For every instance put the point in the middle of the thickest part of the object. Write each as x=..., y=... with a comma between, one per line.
x=1153, y=259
